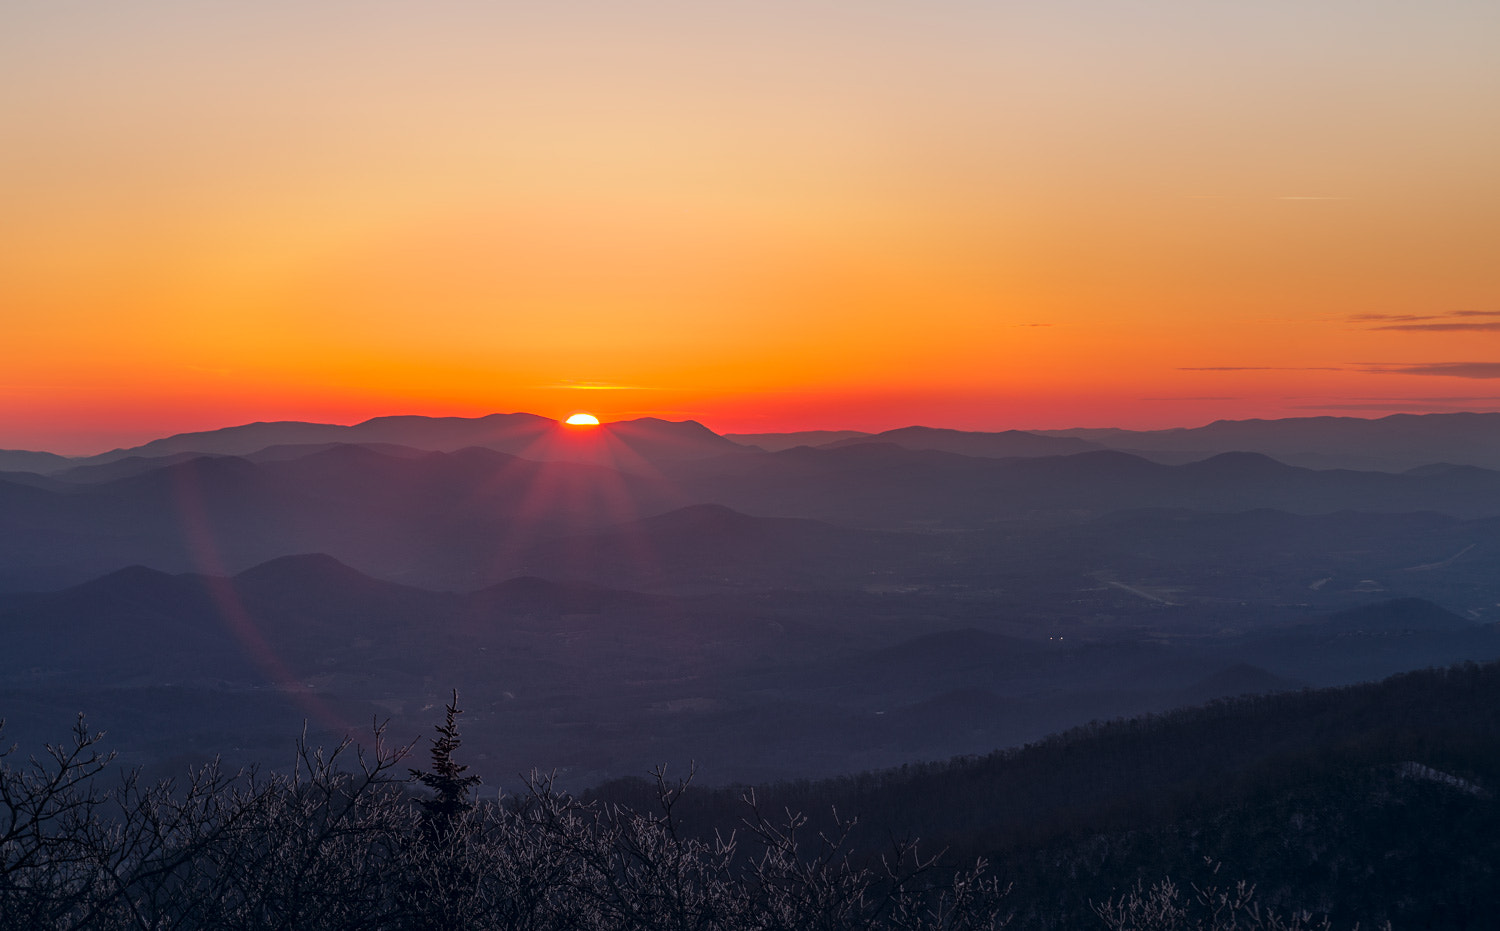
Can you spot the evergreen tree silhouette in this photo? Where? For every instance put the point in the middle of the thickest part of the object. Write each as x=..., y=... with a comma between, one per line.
x=446, y=777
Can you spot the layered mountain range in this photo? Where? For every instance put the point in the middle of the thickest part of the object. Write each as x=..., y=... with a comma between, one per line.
x=612, y=597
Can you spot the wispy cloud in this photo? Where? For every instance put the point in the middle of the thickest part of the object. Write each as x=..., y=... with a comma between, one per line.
x=662, y=414
x=1457, y=320
x=1448, y=369
x=1490, y=327
x=1197, y=398
x=1259, y=368
x=1413, y=406
x=592, y=386
x=1425, y=399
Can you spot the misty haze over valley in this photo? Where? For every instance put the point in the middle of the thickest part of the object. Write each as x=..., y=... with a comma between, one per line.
x=610, y=598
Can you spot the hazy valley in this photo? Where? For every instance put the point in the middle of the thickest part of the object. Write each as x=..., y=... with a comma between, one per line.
x=645, y=592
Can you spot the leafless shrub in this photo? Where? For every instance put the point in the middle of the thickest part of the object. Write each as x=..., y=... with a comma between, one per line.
x=339, y=842
x=1164, y=906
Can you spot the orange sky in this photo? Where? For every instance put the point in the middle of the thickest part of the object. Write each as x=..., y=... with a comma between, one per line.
x=762, y=216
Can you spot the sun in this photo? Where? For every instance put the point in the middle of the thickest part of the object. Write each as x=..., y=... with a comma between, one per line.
x=582, y=419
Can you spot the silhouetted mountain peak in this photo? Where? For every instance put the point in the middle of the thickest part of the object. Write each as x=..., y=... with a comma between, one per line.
x=872, y=453
x=701, y=518
x=1110, y=457
x=301, y=451
x=123, y=468
x=348, y=454
x=917, y=431
x=473, y=456
x=302, y=567
x=998, y=445
x=135, y=586
x=670, y=439
x=1240, y=464
x=664, y=425
x=200, y=472
x=1100, y=464
x=25, y=460
x=399, y=422
x=774, y=442
x=1391, y=443
x=317, y=578
x=129, y=579
x=24, y=483
x=239, y=440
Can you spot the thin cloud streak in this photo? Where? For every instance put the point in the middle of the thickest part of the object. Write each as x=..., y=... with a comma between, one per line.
x=1482, y=321
x=588, y=387
x=1446, y=369
x=1453, y=399
x=1397, y=406
x=1443, y=327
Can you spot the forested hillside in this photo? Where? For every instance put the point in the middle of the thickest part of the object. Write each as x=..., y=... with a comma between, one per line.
x=1371, y=802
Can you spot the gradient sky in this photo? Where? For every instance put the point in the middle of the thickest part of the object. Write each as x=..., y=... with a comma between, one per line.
x=761, y=215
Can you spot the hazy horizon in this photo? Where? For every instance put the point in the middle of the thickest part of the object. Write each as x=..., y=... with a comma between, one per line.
x=763, y=217
x=144, y=436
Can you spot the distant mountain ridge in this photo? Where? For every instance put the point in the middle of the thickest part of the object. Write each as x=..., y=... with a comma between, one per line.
x=614, y=596
x=1395, y=443
x=990, y=445
x=463, y=519
x=442, y=434
x=25, y=460
x=775, y=442
x=628, y=444
x=684, y=674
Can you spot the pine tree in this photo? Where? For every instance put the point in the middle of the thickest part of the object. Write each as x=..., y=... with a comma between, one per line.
x=446, y=778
